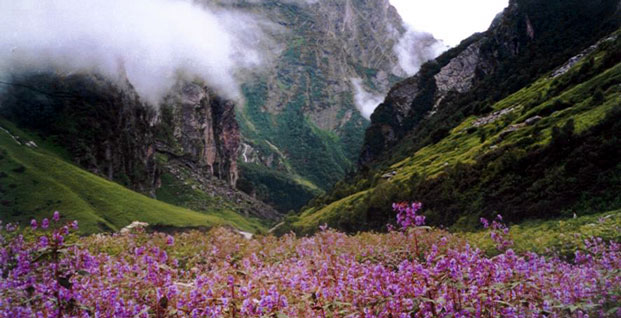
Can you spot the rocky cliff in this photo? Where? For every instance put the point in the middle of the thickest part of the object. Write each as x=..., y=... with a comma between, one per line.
x=300, y=120
x=521, y=43
x=103, y=126
x=518, y=120
x=187, y=147
x=200, y=127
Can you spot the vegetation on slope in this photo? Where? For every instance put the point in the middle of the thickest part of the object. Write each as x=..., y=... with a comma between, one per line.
x=301, y=114
x=303, y=144
x=304, y=151
x=558, y=236
x=512, y=57
x=285, y=192
x=564, y=163
x=34, y=181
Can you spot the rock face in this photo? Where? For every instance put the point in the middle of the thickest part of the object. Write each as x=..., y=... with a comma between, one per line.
x=204, y=130
x=103, y=126
x=459, y=74
x=300, y=119
x=192, y=139
x=327, y=43
x=512, y=51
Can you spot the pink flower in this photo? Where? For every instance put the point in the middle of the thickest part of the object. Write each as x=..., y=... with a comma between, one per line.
x=484, y=222
x=43, y=241
x=407, y=216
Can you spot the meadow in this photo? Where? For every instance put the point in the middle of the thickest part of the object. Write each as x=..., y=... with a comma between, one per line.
x=411, y=270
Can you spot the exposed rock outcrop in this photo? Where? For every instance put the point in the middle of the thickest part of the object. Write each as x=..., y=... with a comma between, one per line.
x=575, y=59
x=493, y=117
x=193, y=136
x=301, y=118
x=459, y=74
x=516, y=41
x=204, y=130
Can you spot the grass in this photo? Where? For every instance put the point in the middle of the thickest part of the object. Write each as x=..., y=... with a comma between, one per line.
x=310, y=220
x=37, y=181
x=563, y=236
x=465, y=145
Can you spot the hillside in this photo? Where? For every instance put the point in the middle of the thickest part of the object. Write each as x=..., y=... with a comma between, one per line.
x=184, y=152
x=36, y=179
x=486, y=183
x=467, y=141
x=301, y=127
x=295, y=132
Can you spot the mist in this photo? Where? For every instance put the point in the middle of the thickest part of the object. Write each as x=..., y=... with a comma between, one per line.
x=415, y=48
x=365, y=101
x=153, y=43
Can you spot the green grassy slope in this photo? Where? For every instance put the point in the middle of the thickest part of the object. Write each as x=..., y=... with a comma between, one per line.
x=311, y=159
x=309, y=85
x=35, y=181
x=446, y=172
x=563, y=236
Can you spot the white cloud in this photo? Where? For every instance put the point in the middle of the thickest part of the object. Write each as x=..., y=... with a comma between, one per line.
x=415, y=48
x=449, y=20
x=154, y=41
x=366, y=102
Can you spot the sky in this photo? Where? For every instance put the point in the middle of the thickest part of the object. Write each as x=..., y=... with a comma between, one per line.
x=449, y=20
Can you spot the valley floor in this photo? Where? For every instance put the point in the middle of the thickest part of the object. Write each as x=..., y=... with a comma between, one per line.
x=417, y=271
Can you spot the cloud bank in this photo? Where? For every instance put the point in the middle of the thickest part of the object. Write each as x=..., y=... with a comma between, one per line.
x=366, y=102
x=415, y=48
x=152, y=42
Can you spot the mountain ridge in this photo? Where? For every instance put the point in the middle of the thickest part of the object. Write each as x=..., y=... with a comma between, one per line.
x=184, y=153
x=418, y=122
x=300, y=119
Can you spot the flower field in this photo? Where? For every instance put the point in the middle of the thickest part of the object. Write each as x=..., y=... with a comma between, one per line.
x=415, y=271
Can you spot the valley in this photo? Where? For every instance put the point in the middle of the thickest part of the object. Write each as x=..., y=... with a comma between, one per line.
x=308, y=158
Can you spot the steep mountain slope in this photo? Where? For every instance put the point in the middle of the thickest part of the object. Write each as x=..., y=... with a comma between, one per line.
x=300, y=129
x=184, y=153
x=35, y=180
x=300, y=120
x=488, y=127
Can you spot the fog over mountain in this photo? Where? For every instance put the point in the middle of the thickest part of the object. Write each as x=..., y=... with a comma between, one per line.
x=155, y=42
x=152, y=42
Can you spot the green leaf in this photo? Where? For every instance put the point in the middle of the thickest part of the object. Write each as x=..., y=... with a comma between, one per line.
x=64, y=282
x=83, y=272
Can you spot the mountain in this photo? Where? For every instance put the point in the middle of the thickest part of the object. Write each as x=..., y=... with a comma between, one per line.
x=36, y=178
x=298, y=131
x=300, y=124
x=183, y=153
x=522, y=120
